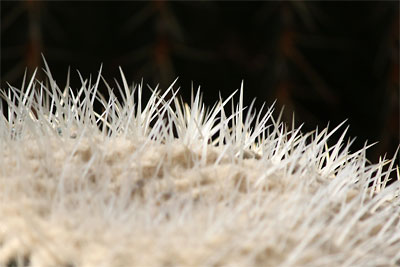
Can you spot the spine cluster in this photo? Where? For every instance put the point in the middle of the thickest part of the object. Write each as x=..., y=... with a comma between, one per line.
x=165, y=178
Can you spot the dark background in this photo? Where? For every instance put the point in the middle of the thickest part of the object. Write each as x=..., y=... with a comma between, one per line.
x=325, y=61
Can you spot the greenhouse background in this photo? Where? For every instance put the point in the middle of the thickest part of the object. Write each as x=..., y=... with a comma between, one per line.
x=324, y=61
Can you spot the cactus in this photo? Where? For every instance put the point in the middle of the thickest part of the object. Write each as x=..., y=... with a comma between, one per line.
x=171, y=183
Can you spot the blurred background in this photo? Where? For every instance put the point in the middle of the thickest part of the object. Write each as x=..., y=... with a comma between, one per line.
x=323, y=61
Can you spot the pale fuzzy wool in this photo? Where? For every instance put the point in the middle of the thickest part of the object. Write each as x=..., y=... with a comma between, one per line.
x=74, y=193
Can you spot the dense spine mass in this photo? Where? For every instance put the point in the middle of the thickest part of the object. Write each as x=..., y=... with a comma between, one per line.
x=165, y=182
